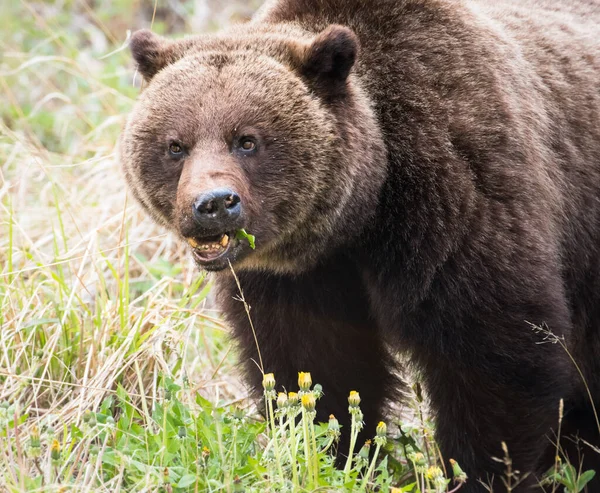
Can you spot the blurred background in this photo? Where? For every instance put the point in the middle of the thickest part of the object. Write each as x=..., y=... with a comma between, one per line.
x=92, y=293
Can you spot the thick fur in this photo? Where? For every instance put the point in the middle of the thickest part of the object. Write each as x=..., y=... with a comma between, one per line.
x=429, y=183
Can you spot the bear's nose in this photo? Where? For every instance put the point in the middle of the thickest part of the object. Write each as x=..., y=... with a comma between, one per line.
x=217, y=210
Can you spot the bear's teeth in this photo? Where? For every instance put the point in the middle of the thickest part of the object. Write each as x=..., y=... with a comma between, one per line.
x=193, y=243
x=224, y=241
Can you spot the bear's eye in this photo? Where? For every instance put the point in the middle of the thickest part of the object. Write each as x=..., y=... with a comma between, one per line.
x=175, y=149
x=247, y=145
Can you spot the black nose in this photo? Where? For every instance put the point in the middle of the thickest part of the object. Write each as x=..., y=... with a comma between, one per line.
x=217, y=210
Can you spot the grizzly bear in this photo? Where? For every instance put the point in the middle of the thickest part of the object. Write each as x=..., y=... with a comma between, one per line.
x=422, y=177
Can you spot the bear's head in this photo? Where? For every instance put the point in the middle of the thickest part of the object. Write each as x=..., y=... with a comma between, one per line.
x=262, y=128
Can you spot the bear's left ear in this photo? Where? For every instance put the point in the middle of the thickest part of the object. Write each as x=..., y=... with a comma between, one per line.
x=328, y=60
x=152, y=52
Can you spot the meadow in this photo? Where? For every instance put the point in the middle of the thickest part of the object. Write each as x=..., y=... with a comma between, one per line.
x=116, y=373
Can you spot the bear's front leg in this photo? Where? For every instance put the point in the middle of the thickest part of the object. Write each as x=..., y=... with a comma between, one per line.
x=494, y=404
x=317, y=321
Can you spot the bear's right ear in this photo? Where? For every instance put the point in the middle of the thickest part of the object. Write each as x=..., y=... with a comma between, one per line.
x=151, y=52
x=326, y=63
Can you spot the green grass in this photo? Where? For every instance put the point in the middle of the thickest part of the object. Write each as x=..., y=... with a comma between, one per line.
x=115, y=373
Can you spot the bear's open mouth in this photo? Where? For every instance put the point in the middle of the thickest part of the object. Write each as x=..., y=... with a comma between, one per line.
x=210, y=248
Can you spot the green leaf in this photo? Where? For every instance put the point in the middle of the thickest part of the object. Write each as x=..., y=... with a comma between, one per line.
x=241, y=234
x=584, y=479
x=186, y=480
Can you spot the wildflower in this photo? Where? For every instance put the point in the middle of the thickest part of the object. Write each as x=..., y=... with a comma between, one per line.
x=362, y=459
x=318, y=390
x=238, y=486
x=35, y=445
x=293, y=399
x=304, y=381
x=381, y=434
x=459, y=475
x=238, y=414
x=282, y=400
x=309, y=402
x=205, y=452
x=55, y=450
x=268, y=382
x=435, y=475
x=333, y=428
x=419, y=461
x=354, y=398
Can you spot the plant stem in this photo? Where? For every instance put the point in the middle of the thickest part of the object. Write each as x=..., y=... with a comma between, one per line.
x=307, y=449
x=365, y=480
x=353, y=436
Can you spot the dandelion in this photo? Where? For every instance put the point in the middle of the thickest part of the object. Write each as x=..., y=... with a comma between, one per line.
x=355, y=427
x=309, y=402
x=182, y=432
x=436, y=476
x=318, y=390
x=35, y=445
x=380, y=441
x=354, y=398
x=55, y=450
x=362, y=458
x=304, y=381
x=268, y=382
x=419, y=461
x=381, y=434
x=293, y=399
x=333, y=427
x=282, y=400
x=459, y=475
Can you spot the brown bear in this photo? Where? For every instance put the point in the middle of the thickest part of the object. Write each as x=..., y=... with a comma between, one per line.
x=421, y=177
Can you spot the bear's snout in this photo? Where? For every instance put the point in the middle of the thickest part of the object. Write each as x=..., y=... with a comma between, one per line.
x=218, y=210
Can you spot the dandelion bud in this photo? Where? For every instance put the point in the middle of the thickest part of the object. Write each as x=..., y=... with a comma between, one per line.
x=334, y=424
x=182, y=432
x=55, y=450
x=293, y=399
x=436, y=476
x=238, y=486
x=381, y=429
x=34, y=450
x=35, y=437
x=354, y=398
x=238, y=413
x=362, y=459
x=304, y=381
x=459, y=475
x=282, y=400
x=268, y=382
x=318, y=390
x=309, y=402
x=205, y=452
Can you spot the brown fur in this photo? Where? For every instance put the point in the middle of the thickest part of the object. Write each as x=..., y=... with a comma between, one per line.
x=428, y=182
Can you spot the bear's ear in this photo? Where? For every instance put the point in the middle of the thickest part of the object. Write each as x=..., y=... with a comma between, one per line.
x=329, y=58
x=151, y=52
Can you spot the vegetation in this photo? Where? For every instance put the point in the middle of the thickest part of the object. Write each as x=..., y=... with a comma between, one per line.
x=115, y=372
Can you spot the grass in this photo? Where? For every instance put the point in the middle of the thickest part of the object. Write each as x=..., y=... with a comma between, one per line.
x=115, y=373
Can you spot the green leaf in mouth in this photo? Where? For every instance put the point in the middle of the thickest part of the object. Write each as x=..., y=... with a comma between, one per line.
x=241, y=234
